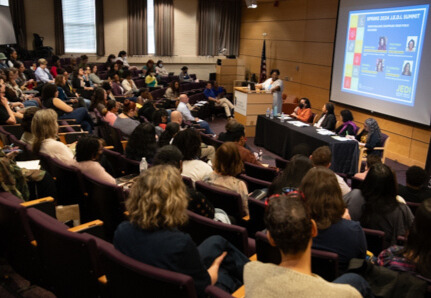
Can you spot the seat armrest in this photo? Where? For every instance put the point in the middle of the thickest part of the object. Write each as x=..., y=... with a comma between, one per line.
x=33, y=203
x=86, y=226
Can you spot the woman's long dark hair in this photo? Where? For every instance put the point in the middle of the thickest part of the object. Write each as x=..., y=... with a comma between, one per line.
x=380, y=191
x=292, y=176
x=418, y=246
x=172, y=128
x=142, y=143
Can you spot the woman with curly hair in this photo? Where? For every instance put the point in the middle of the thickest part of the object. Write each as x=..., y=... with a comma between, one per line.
x=142, y=143
x=157, y=207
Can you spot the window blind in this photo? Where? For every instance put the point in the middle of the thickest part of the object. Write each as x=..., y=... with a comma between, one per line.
x=79, y=19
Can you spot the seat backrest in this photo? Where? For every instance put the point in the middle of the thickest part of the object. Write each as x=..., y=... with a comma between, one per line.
x=383, y=138
x=209, y=140
x=227, y=200
x=324, y=264
x=187, y=181
x=130, y=278
x=114, y=159
x=68, y=258
x=215, y=292
x=265, y=252
x=67, y=182
x=16, y=130
x=26, y=154
x=413, y=206
x=356, y=183
x=129, y=166
x=102, y=201
x=256, y=210
x=259, y=172
x=16, y=236
x=375, y=240
x=200, y=228
x=254, y=183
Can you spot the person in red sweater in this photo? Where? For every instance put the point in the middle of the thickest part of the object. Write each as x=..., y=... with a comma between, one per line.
x=303, y=110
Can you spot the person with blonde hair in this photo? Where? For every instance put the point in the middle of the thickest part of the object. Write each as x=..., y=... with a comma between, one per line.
x=157, y=206
x=42, y=74
x=44, y=128
x=227, y=165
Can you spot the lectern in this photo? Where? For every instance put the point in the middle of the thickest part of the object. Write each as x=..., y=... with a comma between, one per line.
x=249, y=104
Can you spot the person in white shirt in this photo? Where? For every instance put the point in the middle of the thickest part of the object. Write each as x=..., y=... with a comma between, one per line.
x=160, y=69
x=275, y=85
x=128, y=84
x=42, y=73
x=122, y=56
x=322, y=156
x=187, y=115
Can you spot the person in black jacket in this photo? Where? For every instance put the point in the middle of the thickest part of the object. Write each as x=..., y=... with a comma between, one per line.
x=327, y=119
x=370, y=136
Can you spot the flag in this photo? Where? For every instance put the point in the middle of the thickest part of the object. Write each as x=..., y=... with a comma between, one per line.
x=262, y=77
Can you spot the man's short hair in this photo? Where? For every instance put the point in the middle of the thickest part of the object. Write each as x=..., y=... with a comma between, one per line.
x=289, y=223
x=237, y=131
x=416, y=176
x=168, y=155
x=322, y=156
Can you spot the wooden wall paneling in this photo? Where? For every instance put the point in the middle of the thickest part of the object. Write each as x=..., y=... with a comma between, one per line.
x=419, y=151
x=318, y=53
x=399, y=144
x=287, y=10
x=280, y=30
x=318, y=9
x=322, y=30
x=315, y=75
x=421, y=134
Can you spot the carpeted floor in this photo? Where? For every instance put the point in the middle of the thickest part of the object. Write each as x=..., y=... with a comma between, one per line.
x=218, y=126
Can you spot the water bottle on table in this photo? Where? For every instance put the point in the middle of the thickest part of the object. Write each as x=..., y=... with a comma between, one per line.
x=271, y=114
x=143, y=165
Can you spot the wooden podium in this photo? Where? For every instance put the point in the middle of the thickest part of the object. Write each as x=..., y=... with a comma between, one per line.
x=249, y=104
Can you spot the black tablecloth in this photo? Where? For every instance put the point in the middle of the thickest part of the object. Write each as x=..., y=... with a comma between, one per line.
x=286, y=140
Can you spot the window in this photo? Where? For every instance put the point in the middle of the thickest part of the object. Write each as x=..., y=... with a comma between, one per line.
x=79, y=20
x=150, y=27
x=4, y=2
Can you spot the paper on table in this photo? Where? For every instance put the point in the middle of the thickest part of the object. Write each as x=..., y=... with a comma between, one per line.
x=338, y=138
x=29, y=164
x=285, y=117
x=325, y=132
x=298, y=123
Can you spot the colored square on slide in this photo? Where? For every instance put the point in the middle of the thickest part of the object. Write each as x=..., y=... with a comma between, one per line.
x=357, y=59
x=358, y=46
x=360, y=33
x=352, y=34
x=349, y=70
x=354, y=21
x=354, y=84
x=347, y=82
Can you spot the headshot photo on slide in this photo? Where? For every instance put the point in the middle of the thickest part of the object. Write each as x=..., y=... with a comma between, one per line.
x=382, y=43
x=411, y=43
x=407, y=68
x=379, y=65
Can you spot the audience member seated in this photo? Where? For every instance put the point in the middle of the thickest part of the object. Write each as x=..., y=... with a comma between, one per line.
x=291, y=230
x=160, y=69
x=109, y=61
x=171, y=155
x=167, y=136
x=218, y=100
x=83, y=62
x=18, y=95
x=94, y=77
x=376, y=204
x=112, y=112
x=173, y=91
x=322, y=156
x=114, y=69
x=12, y=57
x=239, y=139
x=157, y=206
x=229, y=133
x=99, y=101
x=126, y=121
x=416, y=190
x=290, y=179
x=42, y=74
x=336, y=234
x=370, y=136
x=151, y=80
x=415, y=256
x=148, y=68
x=88, y=152
x=67, y=85
x=50, y=100
x=187, y=115
x=348, y=128
x=62, y=87
x=44, y=128
x=128, y=84
x=122, y=57
x=86, y=77
x=160, y=118
x=7, y=116
x=327, y=119
x=27, y=137
x=3, y=61
x=142, y=143
x=303, y=111
x=184, y=76
x=228, y=165
x=371, y=160
x=71, y=67
x=149, y=106
x=56, y=66
x=82, y=87
x=24, y=81
x=189, y=143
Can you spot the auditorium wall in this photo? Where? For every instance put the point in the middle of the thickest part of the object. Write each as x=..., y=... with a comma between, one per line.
x=299, y=42
x=40, y=19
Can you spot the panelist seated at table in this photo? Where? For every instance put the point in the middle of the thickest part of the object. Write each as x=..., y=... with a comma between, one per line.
x=348, y=127
x=303, y=111
x=275, y=85
x=327, y=119
x=370, y=136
